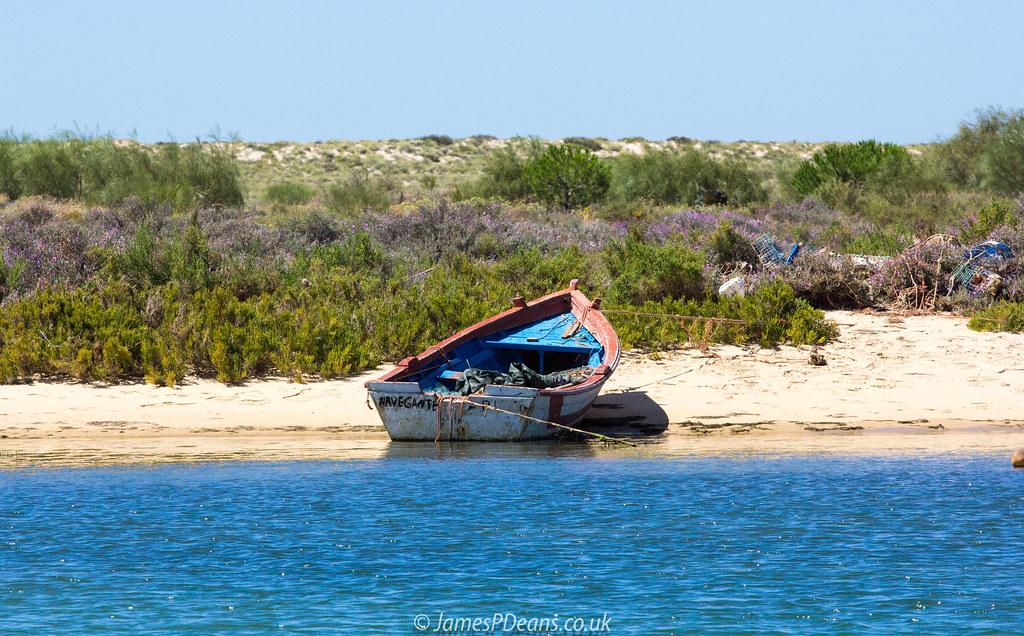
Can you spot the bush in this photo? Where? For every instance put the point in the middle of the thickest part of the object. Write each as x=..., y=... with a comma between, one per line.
x=77, y=333
x=440, y=140
x=640, y=271
x=9, y=183
x=54, y=167
x=359, y=193
x=1004, y=160
x=1002, y=316
x=10, y=277
x=532, y=273
x=583, y=142
x=288, y=193
x=190, y=261
x=685, y=177
x=770, y=315
x=102, y=171
x=568, y=176
x=727, y=246
x=315, y=227
x=962, y=159
x=847, y=163
x=504, y=172
x=996, y=213
x=135, y=293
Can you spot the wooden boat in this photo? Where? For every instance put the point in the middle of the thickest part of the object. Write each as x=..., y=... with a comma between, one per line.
x=563, y=331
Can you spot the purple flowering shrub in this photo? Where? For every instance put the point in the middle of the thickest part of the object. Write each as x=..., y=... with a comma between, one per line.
x=825, y=280
x=45, y=248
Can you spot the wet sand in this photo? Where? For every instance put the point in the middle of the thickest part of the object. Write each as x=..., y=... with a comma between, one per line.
x=904, y=384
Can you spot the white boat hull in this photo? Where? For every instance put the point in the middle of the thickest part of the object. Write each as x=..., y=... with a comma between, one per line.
x=497, y=414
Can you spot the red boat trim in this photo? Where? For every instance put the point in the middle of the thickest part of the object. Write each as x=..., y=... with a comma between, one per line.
x=567, y=299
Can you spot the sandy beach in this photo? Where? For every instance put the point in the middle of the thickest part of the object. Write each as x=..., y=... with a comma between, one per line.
x=891, y=384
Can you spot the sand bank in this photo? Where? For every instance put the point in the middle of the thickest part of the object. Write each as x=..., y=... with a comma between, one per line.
x=891, y=384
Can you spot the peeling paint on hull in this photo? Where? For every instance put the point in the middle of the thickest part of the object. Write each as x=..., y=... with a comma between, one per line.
x=415, y=416
x=498, y=412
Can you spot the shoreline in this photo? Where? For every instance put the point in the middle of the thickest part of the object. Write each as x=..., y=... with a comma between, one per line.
x=761, y=440
x=892, y=384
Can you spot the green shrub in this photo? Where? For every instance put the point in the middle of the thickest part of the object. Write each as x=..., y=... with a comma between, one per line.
x=504, y=172
x=78, y=333
x=359, y=193
x=440, y=140
x=52, y=167
x=10, y=276
x=1002, y=316
x=338, y=311
x=846, y=163
x=682, y=177
x=143, y=263
x=531, y=273
x=771, y=315
x=997, y=212
x=774, y=314
x=288, y=193
x=190, y=261
x=640, y=271
x=585, y=142
x=568, y=176
x=1004, y=160
x=236, y=334
x=102, y=171
x=729, y=246
x=210, y=171
x=963, y=158
x=880, y=242
x=315, y=226
x=10, y=185
x=163, y=359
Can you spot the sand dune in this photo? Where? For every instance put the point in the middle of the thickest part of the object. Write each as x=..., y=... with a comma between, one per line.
x=891, y=384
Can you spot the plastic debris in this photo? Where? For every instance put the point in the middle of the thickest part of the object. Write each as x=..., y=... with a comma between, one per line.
x=733, y=287
x=990, y=249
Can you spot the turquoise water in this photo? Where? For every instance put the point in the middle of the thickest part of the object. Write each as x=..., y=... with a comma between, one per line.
x=737, y=545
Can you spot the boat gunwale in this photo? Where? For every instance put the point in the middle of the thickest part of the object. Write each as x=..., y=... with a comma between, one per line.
x=579, y=305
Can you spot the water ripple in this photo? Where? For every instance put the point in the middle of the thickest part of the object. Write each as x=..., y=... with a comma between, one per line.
x=796, y=545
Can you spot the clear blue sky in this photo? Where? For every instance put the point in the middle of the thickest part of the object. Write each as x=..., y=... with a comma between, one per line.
x=304, y=70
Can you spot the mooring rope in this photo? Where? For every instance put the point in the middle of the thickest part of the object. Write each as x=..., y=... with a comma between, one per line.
x=732, y=321
x=451, y=399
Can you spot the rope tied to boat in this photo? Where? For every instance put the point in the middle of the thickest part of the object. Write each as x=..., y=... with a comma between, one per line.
x=440, y=414
x=681, y=317
x=464, y=400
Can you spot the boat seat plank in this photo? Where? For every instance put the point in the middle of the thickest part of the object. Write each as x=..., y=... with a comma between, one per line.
x=512, y=342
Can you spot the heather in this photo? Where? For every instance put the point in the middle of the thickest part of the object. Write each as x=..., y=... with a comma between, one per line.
x=140, y=291
x=123, y=261
x=144, y=291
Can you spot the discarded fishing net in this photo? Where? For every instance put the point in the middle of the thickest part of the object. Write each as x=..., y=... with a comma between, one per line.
x=770, y=254
x=519, y=374
x=974, y=278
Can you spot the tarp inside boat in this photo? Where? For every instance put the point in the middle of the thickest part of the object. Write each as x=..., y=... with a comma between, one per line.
x=554, y=351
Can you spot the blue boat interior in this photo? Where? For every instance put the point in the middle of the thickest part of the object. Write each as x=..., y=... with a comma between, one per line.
x=538, y=345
